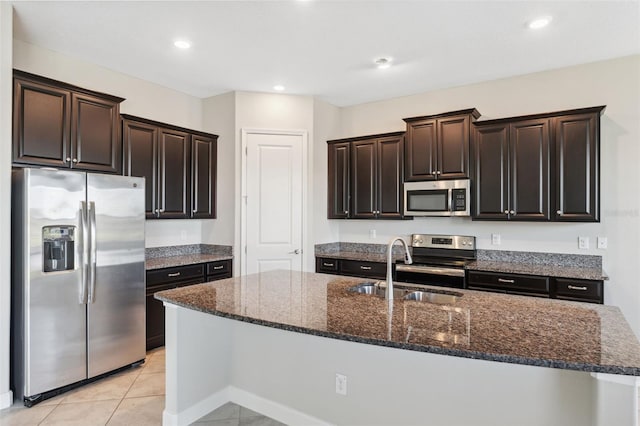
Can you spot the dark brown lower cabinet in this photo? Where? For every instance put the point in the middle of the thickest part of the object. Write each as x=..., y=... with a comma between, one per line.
x=169, y=278
x=353, y=268
x=579, y=290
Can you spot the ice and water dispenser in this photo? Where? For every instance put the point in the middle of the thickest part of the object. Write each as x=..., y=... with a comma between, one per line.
x=58, y=248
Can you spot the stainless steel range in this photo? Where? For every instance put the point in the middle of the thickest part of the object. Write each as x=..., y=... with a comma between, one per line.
x=438, y=260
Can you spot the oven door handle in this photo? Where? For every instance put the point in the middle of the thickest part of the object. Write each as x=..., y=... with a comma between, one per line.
x=452, y=272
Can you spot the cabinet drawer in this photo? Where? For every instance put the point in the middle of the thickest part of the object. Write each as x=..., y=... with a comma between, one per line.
x=363, y=269
x=221, y=267
x=327, y=265
x=512, y=283
x=175, y=274
x=585, y=290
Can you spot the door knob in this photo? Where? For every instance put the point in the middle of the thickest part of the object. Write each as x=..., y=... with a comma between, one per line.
x=296, y=251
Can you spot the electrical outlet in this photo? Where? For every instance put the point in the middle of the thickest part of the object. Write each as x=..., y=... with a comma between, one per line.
x=583, y=243
x=602, y=242
x=495, y=239
x=341, y=384
x=372, y=233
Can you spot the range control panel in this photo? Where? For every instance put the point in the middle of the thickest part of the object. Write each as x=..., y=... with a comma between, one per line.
x=443, y=241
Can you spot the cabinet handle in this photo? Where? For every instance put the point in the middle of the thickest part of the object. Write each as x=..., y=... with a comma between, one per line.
x=175, y=274
x=66, y=160
x=161, y=210
x=195, y=211
x=574, y=287
x=365, y=268
x=506, y=212
x=559, y=212
x=218, y=267
x=346, y=212
x=513, y=212
x=327, y=264
x=75, y=160
x=502, y=280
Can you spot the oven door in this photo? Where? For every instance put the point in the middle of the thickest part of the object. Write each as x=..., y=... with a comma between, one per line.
x=431, y=275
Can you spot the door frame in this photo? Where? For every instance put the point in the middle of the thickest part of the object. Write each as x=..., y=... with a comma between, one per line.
x=244, y=135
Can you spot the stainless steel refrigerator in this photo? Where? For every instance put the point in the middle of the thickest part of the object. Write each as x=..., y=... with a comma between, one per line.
x=78, y=278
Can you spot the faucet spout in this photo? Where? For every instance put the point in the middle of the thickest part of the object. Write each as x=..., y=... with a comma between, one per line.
x=407, y=260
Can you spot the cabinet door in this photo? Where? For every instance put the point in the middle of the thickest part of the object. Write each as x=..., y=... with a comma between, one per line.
x=338, y=180
x=364, y=179
x=529, y=170
x=96, y=143
x=577, y=167
x=155, y=317
x=453, y=148
x=140, y=144
x=174, y=174
x=390, y=177
x=491, y=172
x=420, y=151
x=203, y=177
x=41, y=120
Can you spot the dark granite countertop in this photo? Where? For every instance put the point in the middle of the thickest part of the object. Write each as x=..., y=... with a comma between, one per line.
x=572, y=272
x=480, y=325
x=181, y=255
x=558, y=265
x=182, y=260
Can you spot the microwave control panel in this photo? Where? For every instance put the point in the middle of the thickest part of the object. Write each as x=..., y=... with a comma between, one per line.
x=459, y=199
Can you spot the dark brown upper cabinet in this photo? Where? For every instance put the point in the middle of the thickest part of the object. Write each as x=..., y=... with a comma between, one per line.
x=365, y=177
x=577, y=151
x=541, y=167
x=437, y=146
x=338, y=189
x=203, y=176
x=59, y=125
x=179, y=166
x=512, y=170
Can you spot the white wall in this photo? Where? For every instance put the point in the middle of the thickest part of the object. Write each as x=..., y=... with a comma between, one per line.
x=218, y=116
x=615, y=83
x=274, y=112
x=6, y=87
x=143, y=99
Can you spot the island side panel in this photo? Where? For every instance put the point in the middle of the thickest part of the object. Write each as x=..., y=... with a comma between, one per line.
x=198, y=364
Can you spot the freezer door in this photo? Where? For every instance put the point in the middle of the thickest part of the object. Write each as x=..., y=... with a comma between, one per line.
x=116, y=306
x=50, y=314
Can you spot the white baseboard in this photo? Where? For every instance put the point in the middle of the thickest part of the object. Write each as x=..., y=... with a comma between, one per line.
x=6, y=400
x=276, y=411
x=197, y=410
x=261, y=405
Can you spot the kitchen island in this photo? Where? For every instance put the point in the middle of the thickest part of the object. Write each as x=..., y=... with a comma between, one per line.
x=275, y=341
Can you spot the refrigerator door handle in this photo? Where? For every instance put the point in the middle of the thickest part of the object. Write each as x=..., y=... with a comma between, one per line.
x=93, y=250
x=84, y=250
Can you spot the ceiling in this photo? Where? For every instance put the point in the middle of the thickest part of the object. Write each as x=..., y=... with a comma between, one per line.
x=326, y=48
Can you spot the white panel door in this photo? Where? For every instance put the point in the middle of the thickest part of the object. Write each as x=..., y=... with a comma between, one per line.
x=274, y=197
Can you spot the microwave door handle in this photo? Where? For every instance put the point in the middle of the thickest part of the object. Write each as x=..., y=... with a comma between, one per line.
x=450, y=193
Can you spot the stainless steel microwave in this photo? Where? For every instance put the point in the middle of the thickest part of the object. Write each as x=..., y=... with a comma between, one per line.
x=437, y=198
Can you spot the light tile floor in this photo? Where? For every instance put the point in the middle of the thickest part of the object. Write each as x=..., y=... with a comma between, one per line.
x=132, y=397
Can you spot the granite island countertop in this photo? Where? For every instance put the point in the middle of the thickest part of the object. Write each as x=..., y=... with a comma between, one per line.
x=480, y=325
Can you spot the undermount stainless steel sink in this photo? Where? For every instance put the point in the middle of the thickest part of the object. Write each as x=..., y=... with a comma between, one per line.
x=375, y=288
x=438, y=297
x=379, y=288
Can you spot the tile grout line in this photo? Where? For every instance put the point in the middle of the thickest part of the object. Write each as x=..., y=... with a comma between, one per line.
x=125, y=394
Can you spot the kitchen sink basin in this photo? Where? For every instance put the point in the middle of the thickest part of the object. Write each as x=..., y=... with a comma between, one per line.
x=375, y=288
x=379, y=288
x=438, y=297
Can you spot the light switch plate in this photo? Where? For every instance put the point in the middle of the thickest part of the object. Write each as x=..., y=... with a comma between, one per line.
x=495, y=239
x=341, y=384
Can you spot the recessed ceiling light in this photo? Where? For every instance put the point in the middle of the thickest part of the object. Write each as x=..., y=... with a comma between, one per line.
x=278, y=87
x=540, y=22
x=383, y=63
x=182, y=44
